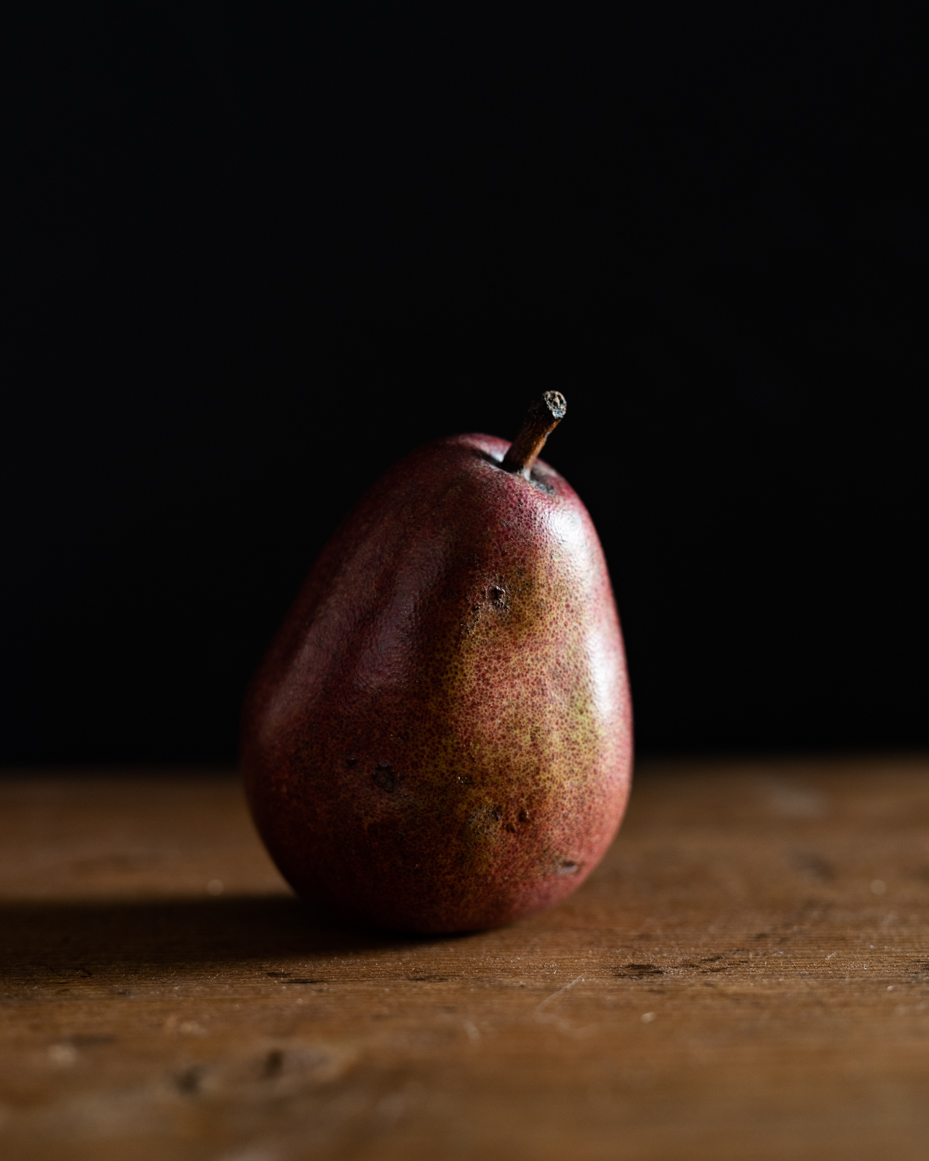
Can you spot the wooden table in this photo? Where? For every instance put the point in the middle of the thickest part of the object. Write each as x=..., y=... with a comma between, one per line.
x=745, y=977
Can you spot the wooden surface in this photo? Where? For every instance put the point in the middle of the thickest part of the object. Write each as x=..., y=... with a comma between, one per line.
x=746, y=976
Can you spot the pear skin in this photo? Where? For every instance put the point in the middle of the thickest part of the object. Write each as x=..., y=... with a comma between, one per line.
x=440, y=737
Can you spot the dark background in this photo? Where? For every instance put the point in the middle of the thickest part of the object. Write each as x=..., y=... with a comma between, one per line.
x=257, y=258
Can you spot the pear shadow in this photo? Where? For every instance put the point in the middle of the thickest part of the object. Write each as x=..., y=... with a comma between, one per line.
x=72, y=940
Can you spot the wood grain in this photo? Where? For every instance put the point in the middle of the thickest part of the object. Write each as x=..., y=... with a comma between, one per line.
x=745, y=976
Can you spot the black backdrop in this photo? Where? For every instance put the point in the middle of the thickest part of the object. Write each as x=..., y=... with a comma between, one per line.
x=259, y=257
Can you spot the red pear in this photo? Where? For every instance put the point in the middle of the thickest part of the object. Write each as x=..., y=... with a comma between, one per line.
x=440, y=738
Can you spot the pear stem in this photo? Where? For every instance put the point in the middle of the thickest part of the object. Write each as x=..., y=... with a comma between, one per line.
x=543, y=416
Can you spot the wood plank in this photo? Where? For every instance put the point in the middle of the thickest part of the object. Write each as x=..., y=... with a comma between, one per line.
x=746, y=975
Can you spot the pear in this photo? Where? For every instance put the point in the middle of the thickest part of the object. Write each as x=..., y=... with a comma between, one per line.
x=440, y=739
